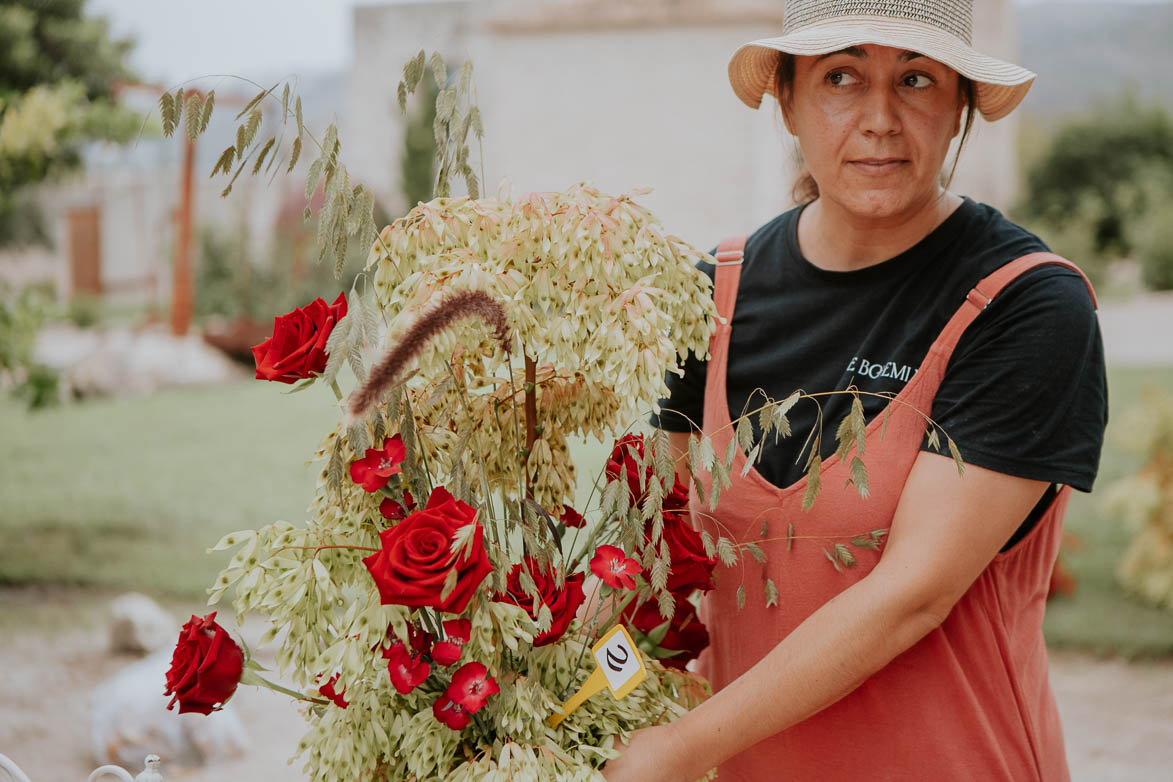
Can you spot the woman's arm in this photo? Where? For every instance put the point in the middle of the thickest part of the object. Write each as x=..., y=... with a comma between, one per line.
x=946, y=530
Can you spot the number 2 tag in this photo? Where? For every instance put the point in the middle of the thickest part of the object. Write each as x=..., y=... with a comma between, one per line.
x=620, y=669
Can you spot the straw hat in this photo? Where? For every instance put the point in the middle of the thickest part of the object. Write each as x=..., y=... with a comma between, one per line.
x=940, y=29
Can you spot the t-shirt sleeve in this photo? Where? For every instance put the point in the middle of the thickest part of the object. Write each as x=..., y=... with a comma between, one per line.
x=683, y=409
x=1025, y=391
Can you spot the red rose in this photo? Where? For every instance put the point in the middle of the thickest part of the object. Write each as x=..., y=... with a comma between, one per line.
x=686, y=633
x=626, y=454
x=379, y=464
x=416, y=557
x=563, y=603
x=616, y=569
x=420, y=640
x=205, y=667
x=691, y=567
x=677, y=499
x=570, y=517
x=297, y=349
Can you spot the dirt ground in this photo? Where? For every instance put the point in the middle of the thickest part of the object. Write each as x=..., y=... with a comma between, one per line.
x=1118, y=716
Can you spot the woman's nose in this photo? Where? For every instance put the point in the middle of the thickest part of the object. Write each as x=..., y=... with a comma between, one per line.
x=879, y=112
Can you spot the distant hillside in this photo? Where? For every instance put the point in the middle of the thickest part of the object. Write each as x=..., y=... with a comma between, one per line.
x=1086, y=51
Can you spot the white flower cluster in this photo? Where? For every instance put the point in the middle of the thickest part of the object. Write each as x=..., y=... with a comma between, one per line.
x=597, y=295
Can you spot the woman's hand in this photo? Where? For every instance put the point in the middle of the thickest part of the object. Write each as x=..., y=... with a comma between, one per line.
x=655, y=754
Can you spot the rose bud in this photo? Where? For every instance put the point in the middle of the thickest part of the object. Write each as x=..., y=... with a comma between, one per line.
x=205, y=667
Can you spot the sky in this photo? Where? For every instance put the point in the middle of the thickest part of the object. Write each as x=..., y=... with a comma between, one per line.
x=181, y=39
x=259, y=39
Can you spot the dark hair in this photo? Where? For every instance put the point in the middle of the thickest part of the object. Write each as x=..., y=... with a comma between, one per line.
x=806, y=189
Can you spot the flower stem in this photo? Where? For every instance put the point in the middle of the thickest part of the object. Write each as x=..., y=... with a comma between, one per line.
x=256, y=680
x=337, y=390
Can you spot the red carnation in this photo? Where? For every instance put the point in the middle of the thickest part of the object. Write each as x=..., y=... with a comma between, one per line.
x=614, y=567
x=327, y=690
x=686, y=633
x=451, y=714
x=471, y=687
x=457, y=632
x=563, y=603
x=395, y=511
x=407, y=671
x=297, y=349
x=416, y=557
x=205, y=667
x=372, y=471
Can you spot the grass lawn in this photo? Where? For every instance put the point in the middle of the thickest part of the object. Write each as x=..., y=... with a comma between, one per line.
x=127, y=494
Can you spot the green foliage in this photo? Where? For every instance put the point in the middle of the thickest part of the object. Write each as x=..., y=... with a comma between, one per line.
x=84, y=310
x=1144, y=500
x=1155, y=247
x=232, y=282
x=418, y=161
x=58, y=70
x=1092, y=189
x=21, y=315
x=1102, y=616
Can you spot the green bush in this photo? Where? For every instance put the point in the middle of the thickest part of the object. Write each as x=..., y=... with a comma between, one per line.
x=1110, y=167
x=1154, y=245
x=84, y=310
x=232, y=281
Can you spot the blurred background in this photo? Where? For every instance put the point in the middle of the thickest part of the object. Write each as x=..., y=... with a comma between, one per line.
x=131, y=435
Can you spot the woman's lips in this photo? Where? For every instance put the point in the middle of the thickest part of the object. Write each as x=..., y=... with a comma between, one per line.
x=877, y=166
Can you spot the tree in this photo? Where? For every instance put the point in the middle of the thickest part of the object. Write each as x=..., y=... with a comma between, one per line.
x=58, y=73
x=1106, y=170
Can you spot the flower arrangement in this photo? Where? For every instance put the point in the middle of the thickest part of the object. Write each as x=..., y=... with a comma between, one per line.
x=432, y=611
x=442, y=609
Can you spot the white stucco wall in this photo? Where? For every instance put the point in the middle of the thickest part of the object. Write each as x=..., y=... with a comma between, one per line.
x=629, y=108
x=385, y=37
x=623, y=106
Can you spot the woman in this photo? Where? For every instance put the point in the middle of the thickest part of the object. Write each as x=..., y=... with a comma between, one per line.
x=925, y=660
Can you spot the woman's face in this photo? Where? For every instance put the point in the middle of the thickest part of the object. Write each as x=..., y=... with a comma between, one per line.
x=874, y=124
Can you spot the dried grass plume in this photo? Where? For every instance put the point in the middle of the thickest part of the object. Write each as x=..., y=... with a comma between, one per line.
x=453, y=308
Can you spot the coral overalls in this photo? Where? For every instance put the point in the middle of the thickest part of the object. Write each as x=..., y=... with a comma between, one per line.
x=970, y=702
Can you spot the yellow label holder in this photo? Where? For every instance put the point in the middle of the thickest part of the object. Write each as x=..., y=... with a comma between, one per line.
x=619, y=667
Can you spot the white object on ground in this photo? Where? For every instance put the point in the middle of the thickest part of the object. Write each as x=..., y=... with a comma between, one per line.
x=139, y=625
x=129, y=719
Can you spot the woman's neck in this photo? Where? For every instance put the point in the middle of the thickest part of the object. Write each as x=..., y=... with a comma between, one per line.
x=836, y=239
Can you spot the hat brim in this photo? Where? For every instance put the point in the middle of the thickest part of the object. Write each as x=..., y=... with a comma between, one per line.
x=1001, y=86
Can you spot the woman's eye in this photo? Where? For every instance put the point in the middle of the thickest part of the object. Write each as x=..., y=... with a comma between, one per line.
x=917, y=81
x=841, y=79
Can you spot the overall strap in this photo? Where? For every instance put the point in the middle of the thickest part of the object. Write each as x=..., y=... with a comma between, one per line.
x=730, y=253
x=980, y=296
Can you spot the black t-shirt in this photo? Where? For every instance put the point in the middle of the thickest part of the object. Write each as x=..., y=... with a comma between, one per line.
x=1024, y=393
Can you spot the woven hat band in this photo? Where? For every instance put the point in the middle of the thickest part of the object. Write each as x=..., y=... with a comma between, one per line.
x=952, y=16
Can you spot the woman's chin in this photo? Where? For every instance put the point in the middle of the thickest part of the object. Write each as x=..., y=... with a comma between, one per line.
x=882, y=203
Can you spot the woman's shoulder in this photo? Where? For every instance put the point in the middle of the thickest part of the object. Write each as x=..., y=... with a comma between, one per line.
x=993, y=240
x=769, y=237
